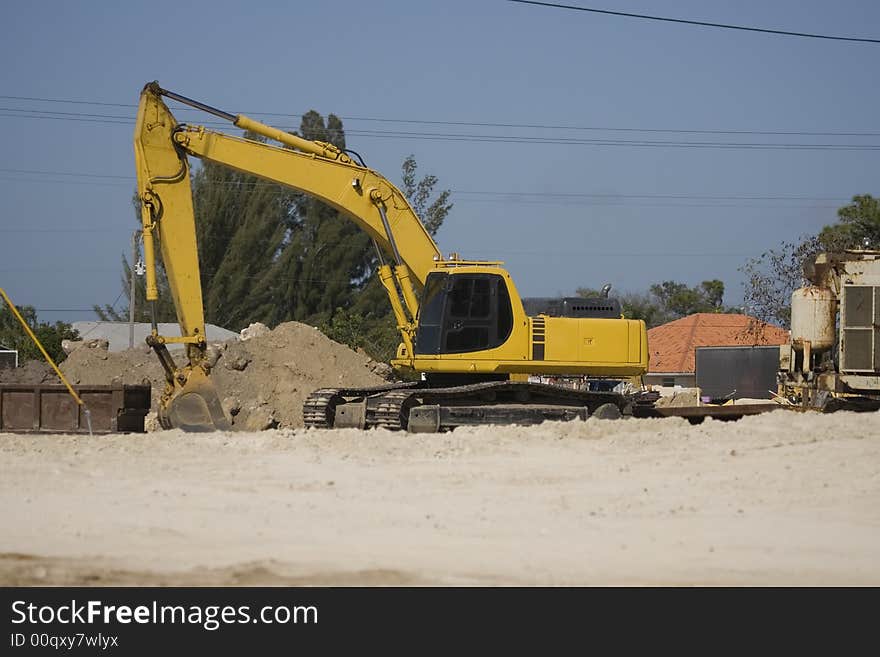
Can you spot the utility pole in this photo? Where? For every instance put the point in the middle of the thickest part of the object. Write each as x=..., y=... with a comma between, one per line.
x=131, y=295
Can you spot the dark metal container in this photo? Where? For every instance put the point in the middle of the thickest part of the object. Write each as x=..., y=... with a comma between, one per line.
x=737, y=372
x=116, y=408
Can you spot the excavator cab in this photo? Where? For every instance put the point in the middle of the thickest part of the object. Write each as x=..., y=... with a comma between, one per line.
x=463, y=313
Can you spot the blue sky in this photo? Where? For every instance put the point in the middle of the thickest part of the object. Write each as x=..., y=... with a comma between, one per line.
x=561, y=215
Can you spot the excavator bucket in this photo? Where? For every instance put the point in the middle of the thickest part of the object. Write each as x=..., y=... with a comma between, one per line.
x=195, y=406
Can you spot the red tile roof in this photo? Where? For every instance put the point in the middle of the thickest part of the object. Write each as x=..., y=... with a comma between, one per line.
x=671, y=346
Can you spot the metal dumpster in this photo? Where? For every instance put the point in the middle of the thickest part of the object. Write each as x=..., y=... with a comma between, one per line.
x=118, y=408
x=737, y=371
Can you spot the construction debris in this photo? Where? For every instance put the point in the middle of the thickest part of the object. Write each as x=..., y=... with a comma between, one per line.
x=680, y=397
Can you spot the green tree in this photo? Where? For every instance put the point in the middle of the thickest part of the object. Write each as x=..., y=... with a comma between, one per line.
x=679, y=300
x=669, y=300
x=50, y=335
x=644, y=306
x=858, y=226
x=320, y=260
x=371, y=301
x=419, y=192
x=345, y=327
x=772, y=276
x=231, y=278
x=634, y=305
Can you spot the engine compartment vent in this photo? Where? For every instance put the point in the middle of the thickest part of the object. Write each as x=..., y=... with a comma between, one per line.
x=860, y=328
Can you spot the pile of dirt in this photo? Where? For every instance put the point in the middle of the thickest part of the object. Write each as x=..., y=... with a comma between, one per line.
x=34, y=372
x=262, y=381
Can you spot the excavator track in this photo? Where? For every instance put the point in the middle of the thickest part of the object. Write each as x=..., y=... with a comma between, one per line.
x=497, y=402
x=319, y=407
x=389, y=410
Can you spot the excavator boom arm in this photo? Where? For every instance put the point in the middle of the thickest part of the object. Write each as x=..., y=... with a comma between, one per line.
x=162, y=148
x=315, y=168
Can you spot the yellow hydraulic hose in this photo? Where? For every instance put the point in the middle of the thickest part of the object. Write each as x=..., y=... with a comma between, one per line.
x=48, y=358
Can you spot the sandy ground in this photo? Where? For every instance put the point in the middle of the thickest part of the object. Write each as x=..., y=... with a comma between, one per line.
x=781, y=498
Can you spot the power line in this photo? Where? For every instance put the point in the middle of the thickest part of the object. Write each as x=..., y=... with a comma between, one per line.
x=684, y=202
x=129, y=120
x=699, y=23
x=522, y=139
x=609, y=195
x=64, y=310
x=695, y=206
x=726, y=197
x=63, y=114
x=533, y=203
x=473, y=253
x=66, y=100
x=538, y=126
x=497, y=193
x=509, y=139
x=43, y=181
x=65, y=230
x=609, y=254
x=66, y=173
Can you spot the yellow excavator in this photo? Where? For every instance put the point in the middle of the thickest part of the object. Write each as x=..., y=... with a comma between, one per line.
x=462, y=324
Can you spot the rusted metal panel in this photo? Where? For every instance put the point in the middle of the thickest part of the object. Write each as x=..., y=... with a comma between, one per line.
x=697, y=414
x=50, y=408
